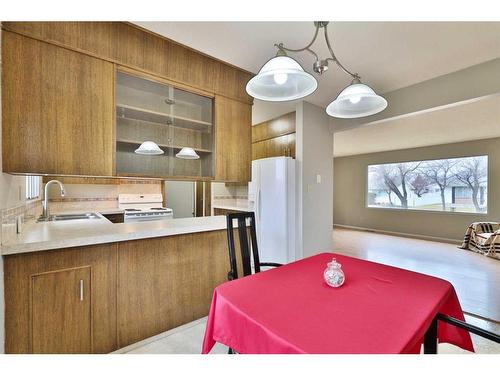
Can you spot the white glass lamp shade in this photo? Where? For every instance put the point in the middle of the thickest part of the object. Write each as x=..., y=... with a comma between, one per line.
x=187, y=153
x=148, y=148
x=356, y=100
x=281, y=79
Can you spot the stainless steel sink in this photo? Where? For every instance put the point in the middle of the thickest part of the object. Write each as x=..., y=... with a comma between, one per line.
x=62, y=217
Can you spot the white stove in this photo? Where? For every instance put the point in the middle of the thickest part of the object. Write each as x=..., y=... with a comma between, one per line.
x=143, y=207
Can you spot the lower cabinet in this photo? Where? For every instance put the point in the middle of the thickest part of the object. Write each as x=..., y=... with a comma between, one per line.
x=224, y=211
x=96, y=299
x=166, y=282
x=61, y=311
x=61, y=301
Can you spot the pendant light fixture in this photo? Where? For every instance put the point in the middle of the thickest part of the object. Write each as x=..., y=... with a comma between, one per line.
x=149, y=148
x=187, y=153
x=356, y=100
x=282, y=79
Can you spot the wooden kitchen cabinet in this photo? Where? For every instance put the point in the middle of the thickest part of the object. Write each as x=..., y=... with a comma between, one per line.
x=233, y=134
x=61, y=311
x=59, y=104
x=225, y=211
x=149, y=109
x=279, y=146
x=284, y=124
x=44, y=311
x=275, y=137
x=166, y=282
x=134, y=47
x=57, y=110
x=131, y=290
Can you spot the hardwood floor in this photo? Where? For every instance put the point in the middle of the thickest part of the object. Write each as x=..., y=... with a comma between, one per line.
x=476, y=278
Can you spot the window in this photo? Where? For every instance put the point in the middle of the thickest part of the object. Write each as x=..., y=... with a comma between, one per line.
x=451, y=185
x=32, y=187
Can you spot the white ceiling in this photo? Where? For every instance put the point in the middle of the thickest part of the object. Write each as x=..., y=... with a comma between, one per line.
x=476, y=120
x=387, y=55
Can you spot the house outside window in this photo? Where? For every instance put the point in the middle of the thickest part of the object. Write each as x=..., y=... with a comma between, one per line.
x=450, y=185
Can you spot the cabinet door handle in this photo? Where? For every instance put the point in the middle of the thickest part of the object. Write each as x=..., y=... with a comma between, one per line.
x=81, y=290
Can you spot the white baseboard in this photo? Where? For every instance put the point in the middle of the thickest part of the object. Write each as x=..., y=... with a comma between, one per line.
x=400, y=234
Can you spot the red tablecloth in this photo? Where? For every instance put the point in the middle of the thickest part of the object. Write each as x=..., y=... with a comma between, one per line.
x=290, y=309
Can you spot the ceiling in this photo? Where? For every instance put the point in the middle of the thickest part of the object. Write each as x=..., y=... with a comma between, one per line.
x=479, y=119
x=387, y=55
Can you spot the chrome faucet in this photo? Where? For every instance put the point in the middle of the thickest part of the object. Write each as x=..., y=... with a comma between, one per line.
x=45, y=204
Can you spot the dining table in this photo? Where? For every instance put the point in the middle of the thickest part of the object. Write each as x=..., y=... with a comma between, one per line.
x=290, y=309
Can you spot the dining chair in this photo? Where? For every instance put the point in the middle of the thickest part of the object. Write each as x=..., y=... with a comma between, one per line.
x=246, y=227
x=431, y=336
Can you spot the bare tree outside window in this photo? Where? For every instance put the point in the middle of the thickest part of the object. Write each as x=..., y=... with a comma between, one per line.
x=453, y=185
x=396, y=178
x=420, y=185
x=440, y=172
x=473, y=173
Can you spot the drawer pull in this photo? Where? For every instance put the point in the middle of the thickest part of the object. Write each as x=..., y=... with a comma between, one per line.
x=81, y=290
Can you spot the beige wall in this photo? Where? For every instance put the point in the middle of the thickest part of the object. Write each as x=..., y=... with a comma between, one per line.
x=350, y=187
x=314, y=198
x=264, y=111
x=459, y=123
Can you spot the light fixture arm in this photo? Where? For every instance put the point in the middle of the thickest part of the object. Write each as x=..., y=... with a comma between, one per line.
x=281, y=48
x=334, y=58
x=320, y=65
x=283, y=79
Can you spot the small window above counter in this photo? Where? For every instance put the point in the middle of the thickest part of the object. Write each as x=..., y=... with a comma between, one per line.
x=149, y=110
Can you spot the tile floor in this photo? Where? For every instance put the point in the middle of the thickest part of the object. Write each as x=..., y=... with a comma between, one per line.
x=187, y=339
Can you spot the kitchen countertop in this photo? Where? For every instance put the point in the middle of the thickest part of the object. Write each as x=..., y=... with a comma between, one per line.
x=72, y=233
x=233, y=204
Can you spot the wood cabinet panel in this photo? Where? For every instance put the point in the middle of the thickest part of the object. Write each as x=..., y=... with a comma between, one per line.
x=137, y=48
x=22, y=294
x=291, y=144
x=259, y=150
x=233, y=134
x=275, y=137
x=61, y=311
x=231, y=82
x=282, y=125
x=166, y=282
x=57, y=110
x=225, y=211
x=278, y=146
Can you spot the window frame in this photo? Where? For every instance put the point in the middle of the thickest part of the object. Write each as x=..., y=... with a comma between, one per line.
x=31, y=188
x=416, y=210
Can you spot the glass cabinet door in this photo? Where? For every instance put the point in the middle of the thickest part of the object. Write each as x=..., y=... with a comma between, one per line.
x=168, y=120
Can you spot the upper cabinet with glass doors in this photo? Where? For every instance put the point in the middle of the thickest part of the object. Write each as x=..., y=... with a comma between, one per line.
x=162, y=131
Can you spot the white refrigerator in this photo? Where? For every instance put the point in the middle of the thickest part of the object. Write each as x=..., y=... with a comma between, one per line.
x=272, y=193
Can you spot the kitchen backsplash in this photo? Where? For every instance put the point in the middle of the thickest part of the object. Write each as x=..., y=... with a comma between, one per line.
x=97, y=197
x=223, y=191
x=28, y=210
x=78, y=197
